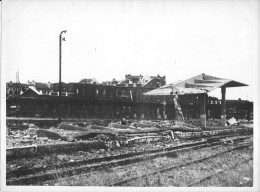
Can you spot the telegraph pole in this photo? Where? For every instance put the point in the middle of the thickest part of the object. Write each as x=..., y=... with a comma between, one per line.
x=60, y=46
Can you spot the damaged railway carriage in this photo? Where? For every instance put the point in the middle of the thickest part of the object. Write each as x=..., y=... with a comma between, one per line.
x=129, y=99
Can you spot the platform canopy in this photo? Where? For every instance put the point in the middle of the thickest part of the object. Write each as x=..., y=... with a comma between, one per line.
x=196, y=85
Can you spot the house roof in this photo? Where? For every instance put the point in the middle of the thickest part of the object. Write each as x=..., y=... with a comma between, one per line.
x=133, y=77
x=41, y=86
x=142, y=81
x=196, y=85
x=16, y=85
x=30, y=89
x=88, y=81
x=154, y=83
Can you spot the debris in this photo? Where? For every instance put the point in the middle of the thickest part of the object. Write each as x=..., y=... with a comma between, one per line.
x=171, y=176
x=25, y=124
x=232, y=121
x=31, y=132
x=21, y=151
x=172, y=135
x=145, y=124
x=45, y=139
x=66, y=126
x=228, y=141
x=32, y=125
x=145, y=139
x=29, y=142
x=117, y=125
x=123, y=121
x=179, y=123
x=91, y=134
x=70, y=138
x=246, y=179
x=117, y=144
x=102, y=137
x=143, y=134
x=26, y=136
x=48, y=134
x=98, y=127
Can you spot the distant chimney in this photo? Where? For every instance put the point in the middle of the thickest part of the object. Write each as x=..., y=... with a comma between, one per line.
x=49, y=85
x=203, y=76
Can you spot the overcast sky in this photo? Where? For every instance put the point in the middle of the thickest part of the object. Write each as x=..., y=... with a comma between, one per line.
x=108, y=39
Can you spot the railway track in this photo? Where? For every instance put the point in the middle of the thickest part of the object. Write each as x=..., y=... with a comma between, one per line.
x=39, y=175
x=27, y=171
x=246, y=145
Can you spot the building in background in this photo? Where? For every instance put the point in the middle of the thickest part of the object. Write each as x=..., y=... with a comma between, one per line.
x=115, y=99
x=42, y=88
x=15, y=89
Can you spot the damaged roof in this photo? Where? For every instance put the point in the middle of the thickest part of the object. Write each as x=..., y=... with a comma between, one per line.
x=196, y=85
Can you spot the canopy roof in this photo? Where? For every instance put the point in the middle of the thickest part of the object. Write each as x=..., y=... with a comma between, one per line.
x=196, y=85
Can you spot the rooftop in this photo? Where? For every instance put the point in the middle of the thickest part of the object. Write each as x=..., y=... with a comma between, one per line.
x=195, y=85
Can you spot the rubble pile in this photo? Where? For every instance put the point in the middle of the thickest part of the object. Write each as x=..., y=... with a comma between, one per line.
x=115, y=134
x=73, y=136
x=33, y=136
x=21, y=138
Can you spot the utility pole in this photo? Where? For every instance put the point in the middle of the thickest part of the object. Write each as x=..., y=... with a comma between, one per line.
x=60, y=46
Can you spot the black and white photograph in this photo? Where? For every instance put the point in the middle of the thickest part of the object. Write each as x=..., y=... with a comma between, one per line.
x=130, y=95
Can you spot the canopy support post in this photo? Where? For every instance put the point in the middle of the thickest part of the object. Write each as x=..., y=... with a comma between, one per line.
x=203, y=119
x=223, y=107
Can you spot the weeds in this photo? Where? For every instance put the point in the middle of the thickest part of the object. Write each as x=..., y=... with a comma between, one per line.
x=159, y=181
x=147, y=181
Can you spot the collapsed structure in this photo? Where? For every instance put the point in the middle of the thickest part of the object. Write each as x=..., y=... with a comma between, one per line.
x=200, y=85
